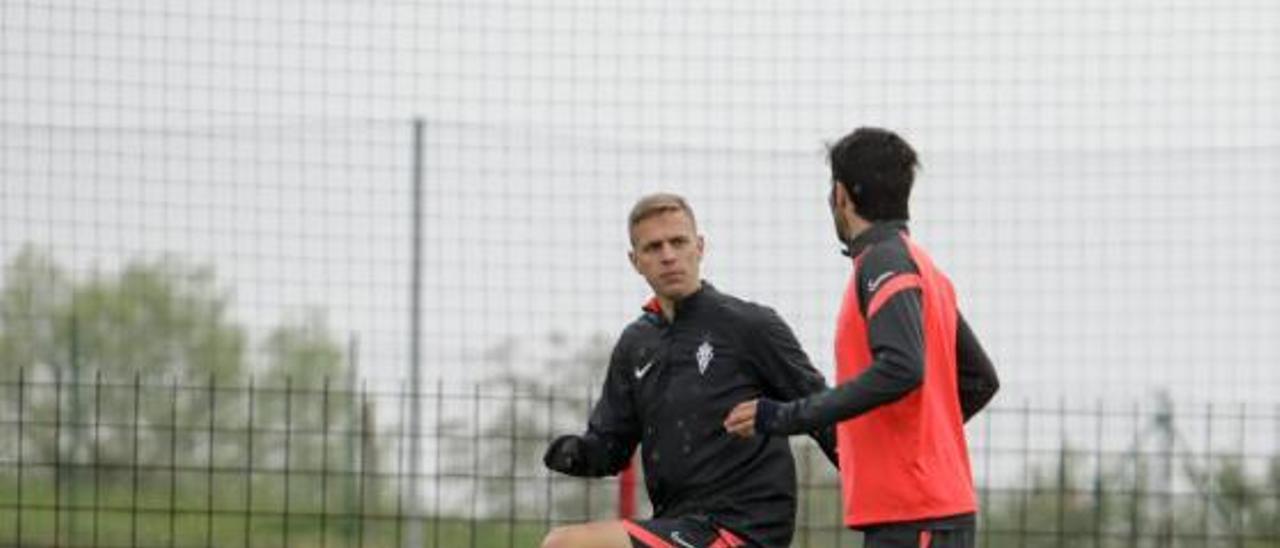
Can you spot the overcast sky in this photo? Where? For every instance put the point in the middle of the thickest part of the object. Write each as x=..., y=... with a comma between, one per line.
x=1100, y=178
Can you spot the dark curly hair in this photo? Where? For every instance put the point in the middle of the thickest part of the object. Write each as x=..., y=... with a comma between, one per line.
x=877, y=168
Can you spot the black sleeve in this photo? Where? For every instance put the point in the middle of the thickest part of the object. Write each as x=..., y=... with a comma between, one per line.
x=977, y=376
x=613, y=431
x=786, y=372
x=896, y=335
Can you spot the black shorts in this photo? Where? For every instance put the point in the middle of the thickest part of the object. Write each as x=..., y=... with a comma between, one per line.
x=681, y=532
x=947, y=534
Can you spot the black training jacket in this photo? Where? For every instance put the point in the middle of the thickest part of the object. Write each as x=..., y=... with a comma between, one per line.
x=669, y=388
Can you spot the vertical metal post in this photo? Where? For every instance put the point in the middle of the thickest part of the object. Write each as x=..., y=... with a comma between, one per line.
x=1208, y=488
x=22, y=422
x=248, y=468
x=474, y=526
x=1242, y=535
x=324, y=465
x=1139, y=478
x=1164, y=421
x=437, y=480
x=77, y=428
x=366, y=433
x=1063, y=478
x=551, y=480
x=512, y=468
x=173, y=461
x=352, y=438
x=210, y=480
x=1024, y=497
x=401, y=402
x=288, y=458
x=97, y=453
x=1099, y=497
x=133, y=498
x=413, y=536
x=57, y=455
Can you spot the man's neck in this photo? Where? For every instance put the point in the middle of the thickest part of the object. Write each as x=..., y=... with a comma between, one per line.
x=668, y=308
x=858, y=226
x=669, y=304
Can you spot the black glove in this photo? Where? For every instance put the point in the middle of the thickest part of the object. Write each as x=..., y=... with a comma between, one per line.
x=567, y=454
x=766, y=413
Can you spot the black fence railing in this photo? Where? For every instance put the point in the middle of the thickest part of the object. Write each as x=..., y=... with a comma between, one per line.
x=98, y=462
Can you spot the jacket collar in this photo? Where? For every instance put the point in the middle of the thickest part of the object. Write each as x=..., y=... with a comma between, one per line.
x=688, y=304
x=878, y=232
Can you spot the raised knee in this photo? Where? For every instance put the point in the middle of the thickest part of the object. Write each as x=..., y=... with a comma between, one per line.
x=557, y=538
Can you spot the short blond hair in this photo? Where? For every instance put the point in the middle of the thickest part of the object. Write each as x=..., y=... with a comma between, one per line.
x=655, y=204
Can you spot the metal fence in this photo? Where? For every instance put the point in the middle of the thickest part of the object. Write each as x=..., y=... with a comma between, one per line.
x=207, y=192
x=138, y=462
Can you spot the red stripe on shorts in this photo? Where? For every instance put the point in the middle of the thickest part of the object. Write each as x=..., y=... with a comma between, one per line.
x=726, y=539
x=926, y=539
x=644, y=535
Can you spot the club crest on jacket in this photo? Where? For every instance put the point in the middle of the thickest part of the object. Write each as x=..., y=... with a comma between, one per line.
x=704, y=355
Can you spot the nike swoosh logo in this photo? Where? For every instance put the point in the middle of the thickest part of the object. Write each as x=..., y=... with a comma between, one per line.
x=641, y=371
x=875, y=284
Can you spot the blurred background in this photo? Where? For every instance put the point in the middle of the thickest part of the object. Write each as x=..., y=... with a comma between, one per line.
x=333, y=272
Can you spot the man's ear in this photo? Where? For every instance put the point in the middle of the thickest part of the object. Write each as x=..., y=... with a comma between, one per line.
x=841, y=197
x=631, y=256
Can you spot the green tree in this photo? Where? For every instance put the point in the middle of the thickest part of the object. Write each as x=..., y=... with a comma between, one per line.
x=35, y=288
x=305, y=353
x=523, y=408
x=1245, y=506
x=305, y=416
x=134, y=383
x=34, y=293
x=154, y=323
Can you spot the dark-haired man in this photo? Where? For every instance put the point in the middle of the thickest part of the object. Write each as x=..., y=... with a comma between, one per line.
x=909, y=370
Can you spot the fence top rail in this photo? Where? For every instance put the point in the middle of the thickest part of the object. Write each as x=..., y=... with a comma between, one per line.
x=439, y=390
